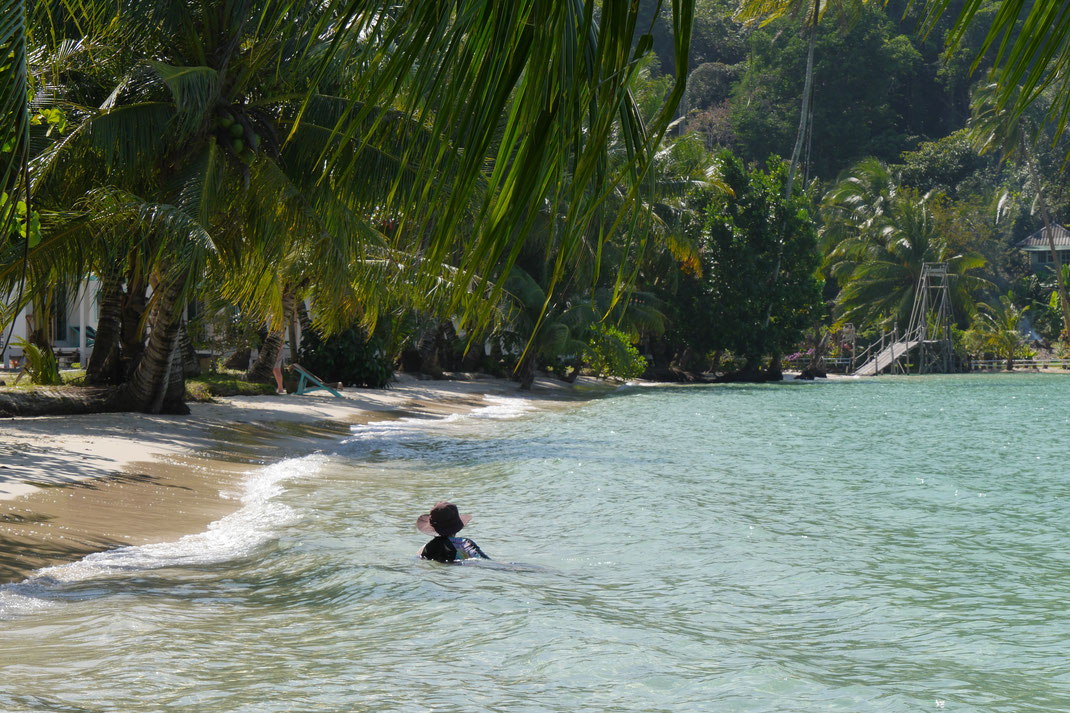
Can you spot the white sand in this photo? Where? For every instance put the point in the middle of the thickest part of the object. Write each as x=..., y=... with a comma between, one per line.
x=54, y=450
x=132, y=479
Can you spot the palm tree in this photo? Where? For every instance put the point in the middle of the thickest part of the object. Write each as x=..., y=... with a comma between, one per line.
x=208, y=100
x=1032, y=54
x=996, y=128
x=880, y=258
x=855, y=212
x=541, y=327
x=564, y=93
x=996, y=329
x=810, y=12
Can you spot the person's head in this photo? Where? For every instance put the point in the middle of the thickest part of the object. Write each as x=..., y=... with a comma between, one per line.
x=444, y=519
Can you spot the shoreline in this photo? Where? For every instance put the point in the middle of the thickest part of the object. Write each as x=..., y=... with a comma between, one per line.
x=74, y=485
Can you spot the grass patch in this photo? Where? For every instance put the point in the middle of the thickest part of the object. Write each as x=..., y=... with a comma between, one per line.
x=223, y=383
x=202, y=388
x=71, y=377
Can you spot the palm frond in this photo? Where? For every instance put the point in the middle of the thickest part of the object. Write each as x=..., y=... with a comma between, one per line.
x=14, y=111
x=130, y=137
x=1031, y=45
x=546, y=88
x=193, y=90
x=199, y=188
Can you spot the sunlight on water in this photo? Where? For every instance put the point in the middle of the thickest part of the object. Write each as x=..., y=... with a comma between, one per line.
x=881, y=545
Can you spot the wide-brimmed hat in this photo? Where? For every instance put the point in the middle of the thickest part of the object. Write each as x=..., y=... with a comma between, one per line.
x=444, y=519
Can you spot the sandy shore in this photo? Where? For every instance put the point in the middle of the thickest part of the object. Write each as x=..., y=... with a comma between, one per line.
x=71, y=485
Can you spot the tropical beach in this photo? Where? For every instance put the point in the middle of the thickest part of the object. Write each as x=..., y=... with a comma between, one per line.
x=836, y=544
x=73, y=485
x=543, y=356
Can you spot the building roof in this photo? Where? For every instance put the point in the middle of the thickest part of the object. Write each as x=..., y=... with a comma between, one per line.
x=1038, y=241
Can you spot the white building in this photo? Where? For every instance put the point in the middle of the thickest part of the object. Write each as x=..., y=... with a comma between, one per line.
x=1036, y=245
x=73, y=326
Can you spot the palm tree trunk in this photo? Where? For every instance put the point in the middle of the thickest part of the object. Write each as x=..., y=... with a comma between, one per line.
x=427, y=346
x=796, y=152
x=804, y=112
x=191, y=365
x=269, y=350
x=525, y=372
x=103, y=367
x=41, y=334
x=175, y=394
x=132, y=332
x=302, y=316
x=151, y=387
x=1051, y=241
x=295, y=341
x=239, y=359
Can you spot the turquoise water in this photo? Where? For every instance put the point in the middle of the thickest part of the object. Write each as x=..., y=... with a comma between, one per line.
x=876, y=545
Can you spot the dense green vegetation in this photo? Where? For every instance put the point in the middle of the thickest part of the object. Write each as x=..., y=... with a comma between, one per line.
x=907, y=155
x=520, y=186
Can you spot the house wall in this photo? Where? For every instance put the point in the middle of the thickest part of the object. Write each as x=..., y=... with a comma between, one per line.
x=1041, y=259
x=82, y=309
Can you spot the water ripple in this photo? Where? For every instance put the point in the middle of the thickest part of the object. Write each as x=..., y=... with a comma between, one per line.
x=869, y=546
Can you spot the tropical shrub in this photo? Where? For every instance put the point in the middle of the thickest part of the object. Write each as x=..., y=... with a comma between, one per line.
x=880, y=236
x=609, y=352
x=757, y=289
x=351, y=357
x=39, y=364
x=995, y=330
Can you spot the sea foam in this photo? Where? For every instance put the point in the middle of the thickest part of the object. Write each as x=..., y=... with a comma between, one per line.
x=256, y=522
x=233, y=536
x=386, y=440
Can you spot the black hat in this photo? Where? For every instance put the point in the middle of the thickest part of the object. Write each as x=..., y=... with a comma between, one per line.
x=444, y=519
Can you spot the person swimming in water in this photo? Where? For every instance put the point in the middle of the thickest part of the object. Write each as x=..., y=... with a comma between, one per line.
x=444, y=522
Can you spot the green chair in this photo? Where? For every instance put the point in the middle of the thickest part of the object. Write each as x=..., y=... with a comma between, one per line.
x=310, y=382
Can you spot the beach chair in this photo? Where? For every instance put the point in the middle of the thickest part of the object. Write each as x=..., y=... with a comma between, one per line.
x=303, y=386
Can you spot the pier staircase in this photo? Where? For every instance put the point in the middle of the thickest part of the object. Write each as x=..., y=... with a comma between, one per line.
x=929, y=333
x=886, y=357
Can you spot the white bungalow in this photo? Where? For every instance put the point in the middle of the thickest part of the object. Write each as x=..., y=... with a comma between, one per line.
x=73, y=325
x=1036, y=246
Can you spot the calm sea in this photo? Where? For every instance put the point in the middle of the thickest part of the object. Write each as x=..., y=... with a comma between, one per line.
x=894, y=544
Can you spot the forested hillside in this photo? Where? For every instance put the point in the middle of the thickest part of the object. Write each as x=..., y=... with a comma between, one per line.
x=887, y=98
x=879, y=87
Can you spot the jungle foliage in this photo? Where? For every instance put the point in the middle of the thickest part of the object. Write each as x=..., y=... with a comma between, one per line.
x=522, y=186
x=734, y=305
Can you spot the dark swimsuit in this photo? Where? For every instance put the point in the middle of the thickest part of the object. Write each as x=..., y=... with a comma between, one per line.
x=451, y=549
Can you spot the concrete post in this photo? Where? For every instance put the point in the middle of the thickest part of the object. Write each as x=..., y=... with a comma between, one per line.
x=83, y=291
